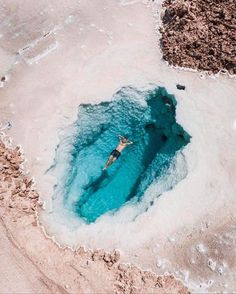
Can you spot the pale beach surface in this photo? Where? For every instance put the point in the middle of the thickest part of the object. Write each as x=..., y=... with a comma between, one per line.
x=56, y=55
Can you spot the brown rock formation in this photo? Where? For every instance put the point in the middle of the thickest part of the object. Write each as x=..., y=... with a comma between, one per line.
x=200, y=34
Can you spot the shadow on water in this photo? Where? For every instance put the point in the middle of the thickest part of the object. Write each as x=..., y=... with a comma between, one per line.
x=93, y=186
x=148, y=119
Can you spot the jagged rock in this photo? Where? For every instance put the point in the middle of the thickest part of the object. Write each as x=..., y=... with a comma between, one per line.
x=115, y=256
x=14, y=193
x=101, y=252
x=200, y=34
x=95, y=256
x=28, y=183
x=107, y=257
x=23, y=187
x=159, y=282
x=80, y=251
x=122, y=267
x=21, y=194
x=33, y=195
x=98, y=254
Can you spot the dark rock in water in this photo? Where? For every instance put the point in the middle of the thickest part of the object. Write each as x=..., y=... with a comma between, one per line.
x=3, y=79
x=200, y=34
x=180, y=87
x=150, y=126
x=164, y=137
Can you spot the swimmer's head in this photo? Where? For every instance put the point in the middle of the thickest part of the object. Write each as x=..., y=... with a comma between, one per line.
x=124, y=140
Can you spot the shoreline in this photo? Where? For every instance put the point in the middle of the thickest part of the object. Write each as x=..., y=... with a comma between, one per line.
x=121, y=275
x=134, y=58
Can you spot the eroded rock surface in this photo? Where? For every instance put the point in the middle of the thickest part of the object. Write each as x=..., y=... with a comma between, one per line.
x=200, y=34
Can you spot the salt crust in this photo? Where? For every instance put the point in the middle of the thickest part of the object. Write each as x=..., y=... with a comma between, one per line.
x=72, y=74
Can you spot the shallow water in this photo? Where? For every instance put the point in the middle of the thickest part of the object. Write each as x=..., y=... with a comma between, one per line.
x=145, y=117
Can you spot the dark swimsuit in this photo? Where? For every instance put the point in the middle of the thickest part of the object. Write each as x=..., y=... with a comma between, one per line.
x=115, y=153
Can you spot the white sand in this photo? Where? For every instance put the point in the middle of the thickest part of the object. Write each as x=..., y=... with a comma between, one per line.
x=92, y=50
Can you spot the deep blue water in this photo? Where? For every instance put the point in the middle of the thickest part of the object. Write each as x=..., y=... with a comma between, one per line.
x=145, y=117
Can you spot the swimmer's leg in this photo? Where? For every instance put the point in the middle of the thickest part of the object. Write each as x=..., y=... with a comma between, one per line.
x=110, y=160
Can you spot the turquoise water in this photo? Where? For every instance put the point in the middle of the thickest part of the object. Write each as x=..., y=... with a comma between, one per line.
x=145, y=117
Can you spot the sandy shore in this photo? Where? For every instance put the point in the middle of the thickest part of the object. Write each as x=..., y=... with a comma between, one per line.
x=54, y=57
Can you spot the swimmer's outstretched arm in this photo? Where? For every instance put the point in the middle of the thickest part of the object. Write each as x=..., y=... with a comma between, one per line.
x=129, y=143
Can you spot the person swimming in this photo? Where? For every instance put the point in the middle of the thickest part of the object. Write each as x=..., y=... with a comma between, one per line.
x=115, y=154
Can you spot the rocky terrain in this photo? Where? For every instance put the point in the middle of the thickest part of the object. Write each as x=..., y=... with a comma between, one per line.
x=46, y=266
x=200, y=34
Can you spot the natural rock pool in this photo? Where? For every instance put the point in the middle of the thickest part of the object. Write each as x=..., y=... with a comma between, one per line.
x=145, y=117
